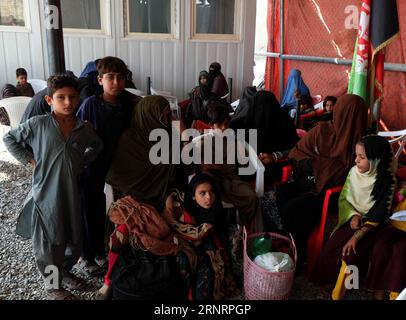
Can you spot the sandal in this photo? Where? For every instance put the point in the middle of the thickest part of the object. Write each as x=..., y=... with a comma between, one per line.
x=90, y=268
x=60, y=294
x=72, y=282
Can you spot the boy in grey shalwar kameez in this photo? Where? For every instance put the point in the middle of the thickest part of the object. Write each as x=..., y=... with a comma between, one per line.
x=62, y=146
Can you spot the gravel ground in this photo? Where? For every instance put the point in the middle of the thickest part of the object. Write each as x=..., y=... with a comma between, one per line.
x=19, y=278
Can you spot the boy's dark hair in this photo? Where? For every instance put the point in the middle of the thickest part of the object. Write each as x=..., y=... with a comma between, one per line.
x=218, y=111
x=111, y=64
x=59, y=81
x=21, y=72
x=306, y=100
x=329, y=98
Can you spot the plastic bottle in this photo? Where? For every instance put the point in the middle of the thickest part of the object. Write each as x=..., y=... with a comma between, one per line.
x=261, y=245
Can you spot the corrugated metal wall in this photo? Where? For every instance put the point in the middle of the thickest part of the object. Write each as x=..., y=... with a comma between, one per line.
x=173, y=65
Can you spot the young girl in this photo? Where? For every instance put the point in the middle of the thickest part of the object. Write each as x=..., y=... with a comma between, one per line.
x=364, y=204
x=62, y=145
x=199, y=221
x=388, y=259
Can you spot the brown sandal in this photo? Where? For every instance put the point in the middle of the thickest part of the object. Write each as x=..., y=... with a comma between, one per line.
x=60, y=294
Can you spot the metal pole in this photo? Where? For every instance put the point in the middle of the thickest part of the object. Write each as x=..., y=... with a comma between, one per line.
x=396, y=67
x=149, y=86
x=230, y=88
x=282, y=47
x=54, y=36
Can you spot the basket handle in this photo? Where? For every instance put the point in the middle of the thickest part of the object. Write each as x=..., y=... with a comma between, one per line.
x=294, y=247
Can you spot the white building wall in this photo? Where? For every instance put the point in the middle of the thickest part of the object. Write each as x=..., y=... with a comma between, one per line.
x=173, y=65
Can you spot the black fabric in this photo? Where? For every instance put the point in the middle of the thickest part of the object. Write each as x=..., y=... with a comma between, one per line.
x=215, y=215
x=140, y=275
x=8, y=91
x=276, y=130
x=37, y=106
x=378, y=148
x=384, y=21
x=246, y=103
x=197, y=109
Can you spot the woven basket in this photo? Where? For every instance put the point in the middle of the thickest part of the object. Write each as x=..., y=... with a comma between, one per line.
x=260, y=284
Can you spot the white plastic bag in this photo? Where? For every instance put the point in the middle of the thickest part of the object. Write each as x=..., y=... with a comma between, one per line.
x=275, y=262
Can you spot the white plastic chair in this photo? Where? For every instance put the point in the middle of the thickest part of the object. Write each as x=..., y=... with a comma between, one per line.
x=402, y=295
x=38, y=84
x=15, y=107
x=173, y=102
x=136, y=92
x=254, y=160
x=398, y=137
x=235, y=104
x=108, y=191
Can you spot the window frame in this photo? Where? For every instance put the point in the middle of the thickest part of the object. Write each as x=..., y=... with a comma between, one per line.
x=217, y=37
x=27, y=21
x=175, y=18
x=105, y=20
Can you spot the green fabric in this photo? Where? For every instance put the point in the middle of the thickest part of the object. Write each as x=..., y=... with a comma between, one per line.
x=358, y=80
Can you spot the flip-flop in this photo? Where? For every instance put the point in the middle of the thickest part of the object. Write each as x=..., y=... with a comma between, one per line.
x=60, y=294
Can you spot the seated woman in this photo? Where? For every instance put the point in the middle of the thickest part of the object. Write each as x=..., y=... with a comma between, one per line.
x=328, y=107
x=200, y=97
x=199, y=219
x=364, y=205
x=275, y=131
x=321, y=160
x=388, y=259
x=295, y=87
x=217, y=81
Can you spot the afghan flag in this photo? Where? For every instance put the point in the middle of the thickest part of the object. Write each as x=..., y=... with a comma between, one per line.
x=378, y=26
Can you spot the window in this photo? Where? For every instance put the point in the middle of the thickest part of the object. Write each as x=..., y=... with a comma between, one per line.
x=14, y=15
x=216, y=19
x=154, y=19
x=85, y=16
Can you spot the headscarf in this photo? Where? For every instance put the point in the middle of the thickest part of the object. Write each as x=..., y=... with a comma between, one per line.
x=90, y=67
x=276, y=130
x=214, y=70
x=131, y=172
x=370, y=193
x=214, y=215
x=8, y=91
x=331, y=144
x=295, y=82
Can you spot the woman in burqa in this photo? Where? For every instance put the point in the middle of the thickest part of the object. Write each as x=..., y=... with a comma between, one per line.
x=321, y=160
x=218, y=83
x=276, y=132
x=132, y=173
x=295, y=87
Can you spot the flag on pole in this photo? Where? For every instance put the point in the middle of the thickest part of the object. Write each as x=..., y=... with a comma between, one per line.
x=378, y=26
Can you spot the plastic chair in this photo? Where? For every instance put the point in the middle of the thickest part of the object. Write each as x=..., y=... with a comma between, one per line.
x=253, y=159
x=315, y=241
x=316, y=99
x=15, y=107
x=397, y=137
x=173, y=102
x=38, y=84
x=108, y=191
x=136, y=92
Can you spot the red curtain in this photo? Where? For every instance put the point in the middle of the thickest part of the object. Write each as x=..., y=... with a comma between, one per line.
x=327, y=28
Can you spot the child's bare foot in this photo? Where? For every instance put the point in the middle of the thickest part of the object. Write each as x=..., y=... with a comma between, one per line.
x=104, y=293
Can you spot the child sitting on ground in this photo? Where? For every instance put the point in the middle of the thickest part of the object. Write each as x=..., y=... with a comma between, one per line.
x=24, y=88
x=62, y=146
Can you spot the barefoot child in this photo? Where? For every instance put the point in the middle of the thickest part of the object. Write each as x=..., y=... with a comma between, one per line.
x=62, y=146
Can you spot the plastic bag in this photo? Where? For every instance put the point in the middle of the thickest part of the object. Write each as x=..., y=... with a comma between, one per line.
x=275, y=262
